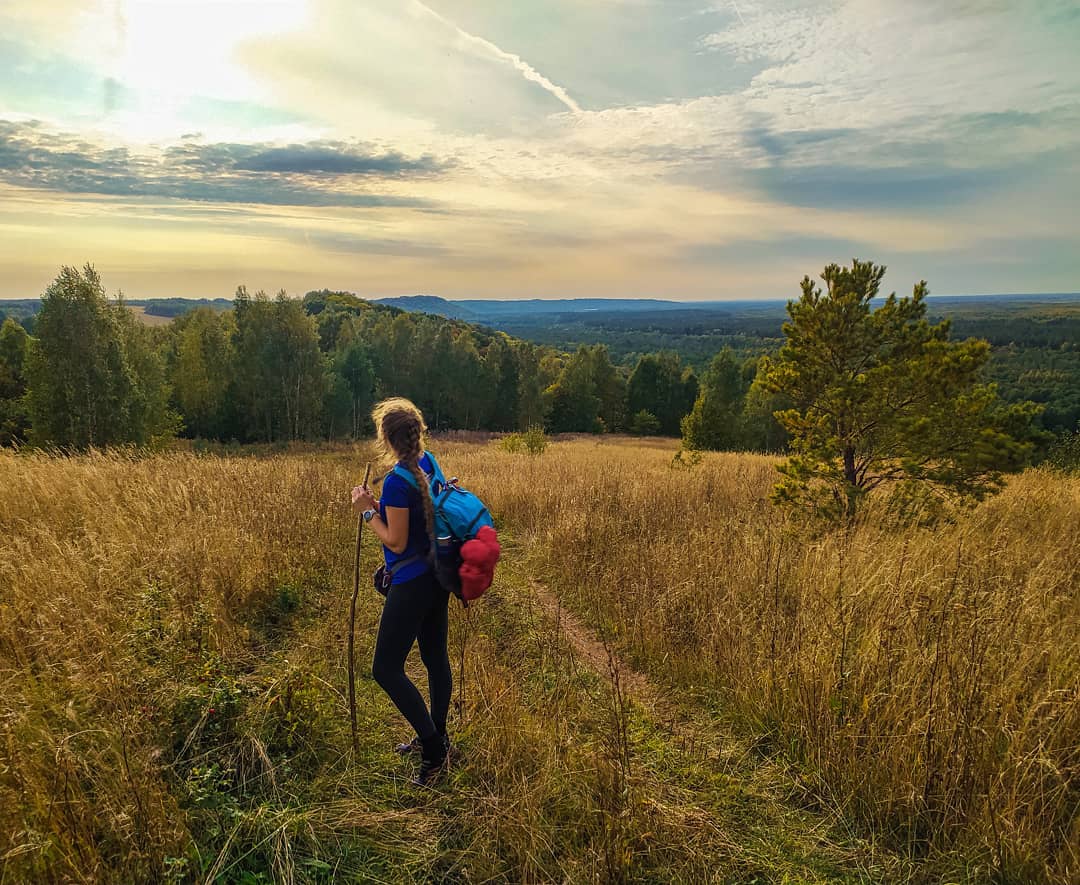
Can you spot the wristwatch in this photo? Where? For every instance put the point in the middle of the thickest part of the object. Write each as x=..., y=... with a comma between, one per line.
x=368, y=515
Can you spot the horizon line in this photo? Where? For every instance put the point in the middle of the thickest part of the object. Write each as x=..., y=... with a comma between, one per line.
x=554, y=299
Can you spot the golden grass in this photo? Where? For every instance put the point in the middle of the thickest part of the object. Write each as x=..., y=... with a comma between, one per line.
x=123, y=581
x=172, y=679
x=925, y=680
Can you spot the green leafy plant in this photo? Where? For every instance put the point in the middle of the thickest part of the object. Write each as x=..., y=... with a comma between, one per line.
x=535, y=440
x=512, y=443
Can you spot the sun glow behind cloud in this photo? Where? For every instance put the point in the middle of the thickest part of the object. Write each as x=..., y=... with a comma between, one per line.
x=186, y=47
x=176, y=51
x=661, y=147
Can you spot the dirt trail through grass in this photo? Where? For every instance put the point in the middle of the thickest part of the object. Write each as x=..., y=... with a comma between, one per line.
x=694, y=729
x=590, y=649
x=688, y=752
x=600, y=657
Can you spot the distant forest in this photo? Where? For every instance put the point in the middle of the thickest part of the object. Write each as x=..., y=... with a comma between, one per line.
x=262, y=369
x=1035, y=356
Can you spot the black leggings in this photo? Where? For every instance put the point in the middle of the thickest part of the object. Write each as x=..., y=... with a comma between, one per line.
x=415, y=611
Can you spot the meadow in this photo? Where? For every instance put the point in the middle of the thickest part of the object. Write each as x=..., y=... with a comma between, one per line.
x=671, y=681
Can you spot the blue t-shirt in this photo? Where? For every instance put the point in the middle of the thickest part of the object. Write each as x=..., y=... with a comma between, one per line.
x=396, y=492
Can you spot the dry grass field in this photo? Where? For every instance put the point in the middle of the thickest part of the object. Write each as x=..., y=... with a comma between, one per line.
x=672, y=681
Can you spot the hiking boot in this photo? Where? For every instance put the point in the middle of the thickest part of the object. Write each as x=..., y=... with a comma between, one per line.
x=413, y=746
x=432, y=761
x=431, y=772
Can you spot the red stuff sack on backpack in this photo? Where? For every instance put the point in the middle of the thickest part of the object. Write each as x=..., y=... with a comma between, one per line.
x=478, y=558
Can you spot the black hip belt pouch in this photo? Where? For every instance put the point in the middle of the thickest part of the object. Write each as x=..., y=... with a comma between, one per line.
x=381, y=579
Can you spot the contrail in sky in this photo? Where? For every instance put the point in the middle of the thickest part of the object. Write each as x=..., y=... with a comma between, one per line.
x=523, y=67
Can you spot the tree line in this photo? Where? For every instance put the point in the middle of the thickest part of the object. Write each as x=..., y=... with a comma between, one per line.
x=280, y=368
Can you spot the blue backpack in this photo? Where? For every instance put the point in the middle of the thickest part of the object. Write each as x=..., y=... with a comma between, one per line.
x=459, y=514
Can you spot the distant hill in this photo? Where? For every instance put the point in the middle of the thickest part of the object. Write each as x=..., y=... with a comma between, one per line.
x=538, y=306
x=497, y=311
x=452, y=310
x=478, y=310
x=492, y=312
x=20, y=309
x=174, y=307
x=151, y=307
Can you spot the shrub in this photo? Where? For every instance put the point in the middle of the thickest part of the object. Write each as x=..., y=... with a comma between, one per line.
x=512, y=443
x=644, y=423
x=535, y=440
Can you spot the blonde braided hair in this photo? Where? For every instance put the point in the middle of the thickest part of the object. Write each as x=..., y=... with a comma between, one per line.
x=399, y=436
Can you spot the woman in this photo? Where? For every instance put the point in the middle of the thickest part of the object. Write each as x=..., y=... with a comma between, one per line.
x=415, y=609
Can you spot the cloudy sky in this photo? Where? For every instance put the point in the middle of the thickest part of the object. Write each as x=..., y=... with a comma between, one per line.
x=539, y=148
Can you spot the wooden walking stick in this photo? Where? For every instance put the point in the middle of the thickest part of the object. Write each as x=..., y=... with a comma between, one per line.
x=352, y=620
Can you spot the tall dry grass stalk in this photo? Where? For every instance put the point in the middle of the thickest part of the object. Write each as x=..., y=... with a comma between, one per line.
x=927, y=682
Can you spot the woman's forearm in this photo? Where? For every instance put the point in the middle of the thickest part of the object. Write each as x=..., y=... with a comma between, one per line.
x=380, y=528
x=382, y=532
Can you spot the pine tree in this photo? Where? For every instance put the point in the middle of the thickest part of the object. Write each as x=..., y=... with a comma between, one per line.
x=506, y=399
x=281, y=377
x=355, y=368
x=610, y=388
x=301, y=367
x=882, y=397
x=536, y=373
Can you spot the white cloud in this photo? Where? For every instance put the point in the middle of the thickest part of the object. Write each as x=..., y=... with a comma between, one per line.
x=870, y=63
x=488, y=48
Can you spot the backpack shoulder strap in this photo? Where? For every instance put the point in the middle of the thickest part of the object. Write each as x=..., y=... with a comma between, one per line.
x=405, y=475
x=437, y=473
